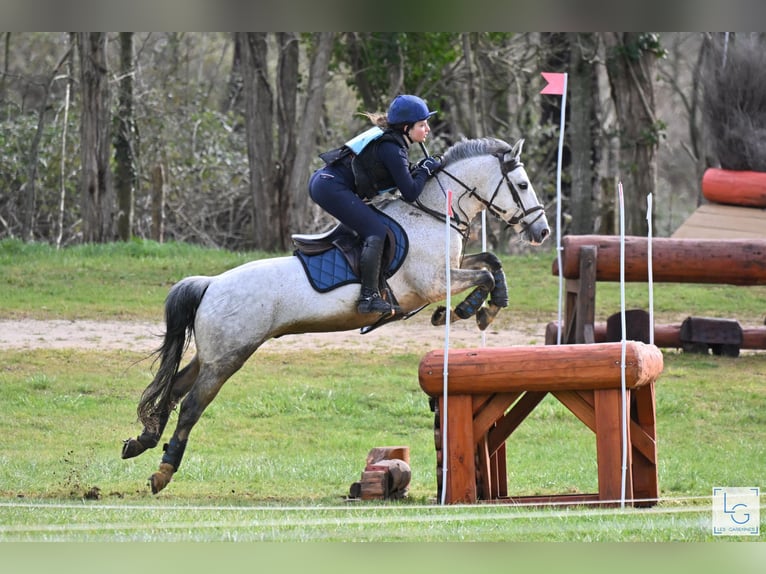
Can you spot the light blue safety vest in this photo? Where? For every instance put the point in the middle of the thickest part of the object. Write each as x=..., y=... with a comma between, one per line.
x=359, y=142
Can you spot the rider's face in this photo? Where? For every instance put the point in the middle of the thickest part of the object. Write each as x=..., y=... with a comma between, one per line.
x=419, y=131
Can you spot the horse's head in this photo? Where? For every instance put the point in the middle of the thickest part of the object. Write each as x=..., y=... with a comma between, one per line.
x=528, y=218
x=505, y=190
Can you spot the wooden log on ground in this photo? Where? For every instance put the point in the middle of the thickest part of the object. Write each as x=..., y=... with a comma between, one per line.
x=719, y=261
x=387, y=453
x=742, y=188
x=540, y=368
x=668, y=336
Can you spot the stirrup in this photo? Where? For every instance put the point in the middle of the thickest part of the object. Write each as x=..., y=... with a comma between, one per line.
x=374, y=304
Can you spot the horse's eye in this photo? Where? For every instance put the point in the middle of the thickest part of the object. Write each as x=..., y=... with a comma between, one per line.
x=523, y=185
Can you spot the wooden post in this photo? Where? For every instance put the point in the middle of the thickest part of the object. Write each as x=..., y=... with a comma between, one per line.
x=609, y=445
x=461, y=466
x=586, y=301
x=644, y=469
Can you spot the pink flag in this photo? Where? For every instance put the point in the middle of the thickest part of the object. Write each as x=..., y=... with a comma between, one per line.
x=555, y=83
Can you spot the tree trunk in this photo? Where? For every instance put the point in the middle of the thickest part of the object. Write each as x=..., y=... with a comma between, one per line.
x=631, y=70
x=259, y=123
x=288, y=74
x=306, y=126
x=96, y=191
x=474, y=127
x=233, y=95
x=6, y=65
x=64, y=131
x=125, y=177
x=558, y=57
x=584, y=95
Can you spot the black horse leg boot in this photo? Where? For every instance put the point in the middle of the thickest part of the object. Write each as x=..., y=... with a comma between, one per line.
x=370, y=300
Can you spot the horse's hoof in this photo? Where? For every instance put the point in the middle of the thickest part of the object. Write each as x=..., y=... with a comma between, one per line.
x=439, y=317
x=132, y=447
x=161, y=478
x=485, y=316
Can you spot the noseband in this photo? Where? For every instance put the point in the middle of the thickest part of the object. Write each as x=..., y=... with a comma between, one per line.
x=506, y=167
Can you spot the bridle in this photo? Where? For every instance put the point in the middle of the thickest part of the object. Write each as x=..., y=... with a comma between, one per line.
x=506, y=167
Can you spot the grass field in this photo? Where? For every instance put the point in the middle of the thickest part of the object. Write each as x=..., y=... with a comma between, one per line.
x=275, y=454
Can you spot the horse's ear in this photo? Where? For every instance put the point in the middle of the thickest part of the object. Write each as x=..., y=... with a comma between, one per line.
x=516, y=150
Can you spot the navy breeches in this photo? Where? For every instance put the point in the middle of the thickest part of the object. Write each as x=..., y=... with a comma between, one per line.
x=332, y=193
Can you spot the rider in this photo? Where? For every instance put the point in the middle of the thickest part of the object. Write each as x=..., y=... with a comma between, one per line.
x=344, y=185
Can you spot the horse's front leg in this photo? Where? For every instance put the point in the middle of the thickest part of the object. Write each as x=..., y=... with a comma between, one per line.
x=498, y=296
x=484, y=272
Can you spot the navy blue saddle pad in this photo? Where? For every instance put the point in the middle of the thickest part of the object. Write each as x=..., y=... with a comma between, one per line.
x=330, y=269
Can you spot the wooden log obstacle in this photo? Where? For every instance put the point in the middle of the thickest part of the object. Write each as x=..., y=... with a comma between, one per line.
x=587, y=259
x=724, y=337
x=492, y=390
x=743, y=188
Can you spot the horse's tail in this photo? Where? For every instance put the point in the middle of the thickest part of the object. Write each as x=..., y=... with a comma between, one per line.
x=180, y=310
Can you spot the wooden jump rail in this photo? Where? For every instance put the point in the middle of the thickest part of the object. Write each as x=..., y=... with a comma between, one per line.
x=669, y=335
x=492, y=390
x=586, y=259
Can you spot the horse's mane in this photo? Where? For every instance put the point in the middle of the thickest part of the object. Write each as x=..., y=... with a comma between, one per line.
x=465, y=149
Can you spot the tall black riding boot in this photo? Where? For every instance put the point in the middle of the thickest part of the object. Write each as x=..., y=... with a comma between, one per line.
x=370, y=300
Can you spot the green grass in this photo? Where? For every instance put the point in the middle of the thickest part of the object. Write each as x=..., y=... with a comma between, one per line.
x=291, y=429
x=100, y=281
x=275, y=454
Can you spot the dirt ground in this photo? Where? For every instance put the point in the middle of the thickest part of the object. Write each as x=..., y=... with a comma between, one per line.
x=413, y=335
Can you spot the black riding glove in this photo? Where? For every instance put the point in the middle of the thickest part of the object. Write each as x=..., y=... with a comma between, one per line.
x=431, y=164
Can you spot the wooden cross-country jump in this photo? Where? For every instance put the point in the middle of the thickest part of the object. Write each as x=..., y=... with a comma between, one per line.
x=588, y=259
x=492, y=390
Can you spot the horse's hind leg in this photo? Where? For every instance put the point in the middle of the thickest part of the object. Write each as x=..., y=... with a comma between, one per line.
x=210, y=380
x=150, y=436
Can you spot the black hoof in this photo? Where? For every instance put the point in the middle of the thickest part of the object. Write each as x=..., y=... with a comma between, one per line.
x=439, y=316
x=131, y=447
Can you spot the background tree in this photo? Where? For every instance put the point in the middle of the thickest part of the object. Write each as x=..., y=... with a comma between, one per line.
x=28, y=190
x=307, y=124
x=584, y=133
x=97, y=200
x=124, y=169
x=735, y=101
x=237, y=187
x=259, y=124
x=630, y=62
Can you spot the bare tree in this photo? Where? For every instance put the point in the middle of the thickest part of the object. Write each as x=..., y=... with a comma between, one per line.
x=631, y=60
x=125, y=177
x=305, y=127
x=259, y=123
x=96, y=189
x=29, y=188
x=278, y=173
x=584, y=146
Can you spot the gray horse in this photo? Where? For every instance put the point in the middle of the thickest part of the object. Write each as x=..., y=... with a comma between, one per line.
x=232, y=314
